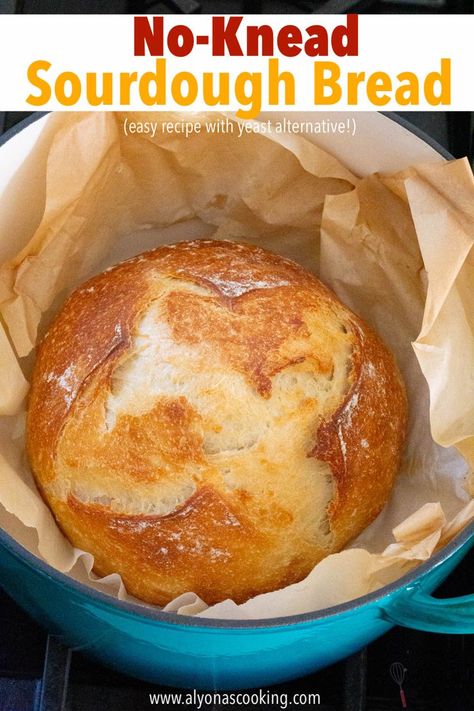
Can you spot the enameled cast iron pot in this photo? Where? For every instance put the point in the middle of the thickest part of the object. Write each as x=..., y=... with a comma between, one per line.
x=215, y=654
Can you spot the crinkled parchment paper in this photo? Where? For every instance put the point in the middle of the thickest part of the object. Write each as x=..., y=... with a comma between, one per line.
x=398, y=249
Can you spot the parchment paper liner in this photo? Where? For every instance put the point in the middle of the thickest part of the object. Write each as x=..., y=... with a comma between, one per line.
x=396, y=248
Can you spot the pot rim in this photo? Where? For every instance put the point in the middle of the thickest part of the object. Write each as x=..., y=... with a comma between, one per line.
x=173, y=619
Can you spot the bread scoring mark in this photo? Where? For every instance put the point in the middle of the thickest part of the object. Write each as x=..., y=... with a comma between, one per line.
x=231, y=269
x=342, y=443
x=122, y=501
x=345, y=422
x=369, y=425
x=349, y=408
x=89, y=332
x=245, y=283
x=192, y=530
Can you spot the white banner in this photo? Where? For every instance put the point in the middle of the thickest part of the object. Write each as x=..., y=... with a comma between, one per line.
x=246, y=64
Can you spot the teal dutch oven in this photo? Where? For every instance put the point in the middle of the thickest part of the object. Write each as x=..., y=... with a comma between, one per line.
x=221, y=654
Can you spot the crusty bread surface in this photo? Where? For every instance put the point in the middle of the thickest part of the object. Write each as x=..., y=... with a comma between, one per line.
x=209, y=417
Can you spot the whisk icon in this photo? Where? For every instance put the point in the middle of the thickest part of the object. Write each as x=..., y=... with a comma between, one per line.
x=397, y=672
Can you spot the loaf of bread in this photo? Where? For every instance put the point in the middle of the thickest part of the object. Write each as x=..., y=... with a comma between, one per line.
x=209, y=417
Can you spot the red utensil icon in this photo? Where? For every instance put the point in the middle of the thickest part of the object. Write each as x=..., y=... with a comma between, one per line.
x=397, y=672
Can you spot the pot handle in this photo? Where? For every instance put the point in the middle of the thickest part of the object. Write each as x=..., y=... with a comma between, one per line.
x=421, y=611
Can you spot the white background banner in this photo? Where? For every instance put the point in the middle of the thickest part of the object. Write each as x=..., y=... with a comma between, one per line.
x=67, y=56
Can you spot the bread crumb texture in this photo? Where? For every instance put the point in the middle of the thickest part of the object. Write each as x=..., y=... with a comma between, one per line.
x=208, y=417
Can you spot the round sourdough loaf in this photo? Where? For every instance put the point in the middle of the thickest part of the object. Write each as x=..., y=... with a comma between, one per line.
x=209, y=417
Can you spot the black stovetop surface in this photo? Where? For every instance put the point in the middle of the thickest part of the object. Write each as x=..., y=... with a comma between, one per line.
x=37, y=673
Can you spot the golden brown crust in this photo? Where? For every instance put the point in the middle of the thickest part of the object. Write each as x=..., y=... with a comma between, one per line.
x=92, y=328
x=362, y=440
x=162, y=556
x=208, y=417
x=240, y=332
